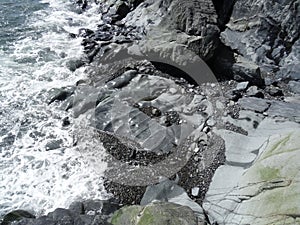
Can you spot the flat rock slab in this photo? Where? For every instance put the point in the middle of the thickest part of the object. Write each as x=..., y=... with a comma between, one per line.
x=266, y=190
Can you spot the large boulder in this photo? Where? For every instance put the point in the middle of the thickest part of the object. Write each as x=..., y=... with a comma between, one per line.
x=192, y=24
x=155, y=214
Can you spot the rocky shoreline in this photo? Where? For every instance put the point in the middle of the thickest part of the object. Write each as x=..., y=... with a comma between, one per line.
x=187, y=143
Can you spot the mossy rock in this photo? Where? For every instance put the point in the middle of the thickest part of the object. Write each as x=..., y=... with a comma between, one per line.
x=158, y=213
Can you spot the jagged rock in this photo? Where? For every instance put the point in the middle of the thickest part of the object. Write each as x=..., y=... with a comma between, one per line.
x=274, y=91
x=88, y=212
x=194, y=21
x=244, y=70
x=157, y=213
x=224, y=9
x=259, y=183
x=122, y=9
x=266, y=33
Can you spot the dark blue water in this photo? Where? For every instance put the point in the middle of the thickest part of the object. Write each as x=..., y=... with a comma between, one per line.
x=34, y=51
x=13, y=17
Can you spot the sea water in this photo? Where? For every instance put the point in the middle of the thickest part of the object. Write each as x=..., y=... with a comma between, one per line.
x=35, y=48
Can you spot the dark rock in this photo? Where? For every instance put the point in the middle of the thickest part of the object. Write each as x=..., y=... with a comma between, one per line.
x=71, y=35
x=266, y=33
x=60, y=94
x=244, y=70
x=15, y=216
x=62, y=216
x=233, y=95
x=224, y=10
x=84, y=32
x=82, y=3
x=172, y=117
x=74, y=64
x=89, y=212
x=66, y=122
x=274, y=91
x=253, y=91
x=105, y=208
x=122, y=9
x=197, y=18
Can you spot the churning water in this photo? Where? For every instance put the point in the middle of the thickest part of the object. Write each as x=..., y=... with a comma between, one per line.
x=34, y=51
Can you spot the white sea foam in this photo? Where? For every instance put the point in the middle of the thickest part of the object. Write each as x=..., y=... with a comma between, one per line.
x=32, y=178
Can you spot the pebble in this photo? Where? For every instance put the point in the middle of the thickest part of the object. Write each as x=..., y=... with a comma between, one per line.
x=242, y=86
x=195, y=191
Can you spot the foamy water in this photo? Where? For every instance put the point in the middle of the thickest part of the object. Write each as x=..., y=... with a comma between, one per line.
x=32, y=178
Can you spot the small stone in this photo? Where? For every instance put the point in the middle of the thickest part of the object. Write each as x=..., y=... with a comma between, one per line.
x=254, y=92
x=195, y=191
x=242, y=86
x=66, y=122
x=211, y=122
x=274, y=91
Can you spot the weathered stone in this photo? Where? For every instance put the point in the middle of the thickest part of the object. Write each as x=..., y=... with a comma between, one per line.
x=155, y=214
x=247, y=70
x=241, y=190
